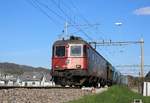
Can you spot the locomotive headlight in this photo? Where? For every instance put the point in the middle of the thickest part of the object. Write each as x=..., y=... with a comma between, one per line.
x=56, y=66
x=67, y=61
x=78, y=66
x=67, y=46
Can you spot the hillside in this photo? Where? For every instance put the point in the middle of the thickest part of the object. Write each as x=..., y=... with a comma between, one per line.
x=16, y=69
x=115, y=94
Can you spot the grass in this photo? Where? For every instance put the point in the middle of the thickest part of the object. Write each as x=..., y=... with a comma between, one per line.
x=115, y=94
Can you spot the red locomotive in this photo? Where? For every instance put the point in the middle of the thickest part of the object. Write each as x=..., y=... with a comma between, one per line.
x=76, y=62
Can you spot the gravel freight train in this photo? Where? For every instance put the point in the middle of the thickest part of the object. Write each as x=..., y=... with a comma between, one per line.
x=76, y=62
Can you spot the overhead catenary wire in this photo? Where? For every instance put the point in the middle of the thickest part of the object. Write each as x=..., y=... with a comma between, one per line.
x=35, y=5
x=53, y=1
x=81, y=16
x=68, y=8
x=63, y=18
x=47, y=7
x=41, y=6
x=67, y=17
x=73, y=12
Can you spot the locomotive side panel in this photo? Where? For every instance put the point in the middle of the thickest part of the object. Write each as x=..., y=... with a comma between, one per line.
x=97, y=65
x=109, y=72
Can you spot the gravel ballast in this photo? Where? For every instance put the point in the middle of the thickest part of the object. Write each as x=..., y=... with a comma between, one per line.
x=22, y=95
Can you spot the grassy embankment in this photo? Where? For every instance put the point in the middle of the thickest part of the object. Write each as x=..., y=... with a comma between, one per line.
x=115, y=94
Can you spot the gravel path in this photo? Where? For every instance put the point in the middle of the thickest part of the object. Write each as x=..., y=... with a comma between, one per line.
x=21, y=95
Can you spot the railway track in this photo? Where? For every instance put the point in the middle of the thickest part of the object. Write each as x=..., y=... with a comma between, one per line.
x=38, y=87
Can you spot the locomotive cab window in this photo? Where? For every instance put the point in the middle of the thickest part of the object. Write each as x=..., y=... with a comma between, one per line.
x=60, y=51
x=75, y=50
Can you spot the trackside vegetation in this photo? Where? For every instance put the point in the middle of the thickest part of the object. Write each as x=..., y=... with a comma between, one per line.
x=115, y=94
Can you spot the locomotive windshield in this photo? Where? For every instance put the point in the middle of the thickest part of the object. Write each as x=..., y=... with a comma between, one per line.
x=60, y=51
x=75, y=50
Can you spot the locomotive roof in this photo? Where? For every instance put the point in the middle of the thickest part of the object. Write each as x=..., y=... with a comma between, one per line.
x=71, y=41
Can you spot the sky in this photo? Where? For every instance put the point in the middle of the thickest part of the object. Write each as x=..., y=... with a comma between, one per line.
x=28, y=28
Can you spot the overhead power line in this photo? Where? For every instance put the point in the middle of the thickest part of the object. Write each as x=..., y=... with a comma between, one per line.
x=131, y=65
x=84, y=18
x=35, y=5
x=47, y=7
x=42, y=7
x=81, y=16
x=70, y=22
x=54, y=2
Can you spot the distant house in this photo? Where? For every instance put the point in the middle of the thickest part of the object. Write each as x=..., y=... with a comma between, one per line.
x=46, y=81
x=18, y=82
x=30, y=80
x=27, y=79
x=36, y=79
x=8, y=82
x=2, y=82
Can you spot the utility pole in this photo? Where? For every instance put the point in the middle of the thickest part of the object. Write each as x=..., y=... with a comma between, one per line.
x=64, y=32
x=142, y=58
x=66, y=28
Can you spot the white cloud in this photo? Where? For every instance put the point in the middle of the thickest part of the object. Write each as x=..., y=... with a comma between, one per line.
x=142, y=11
